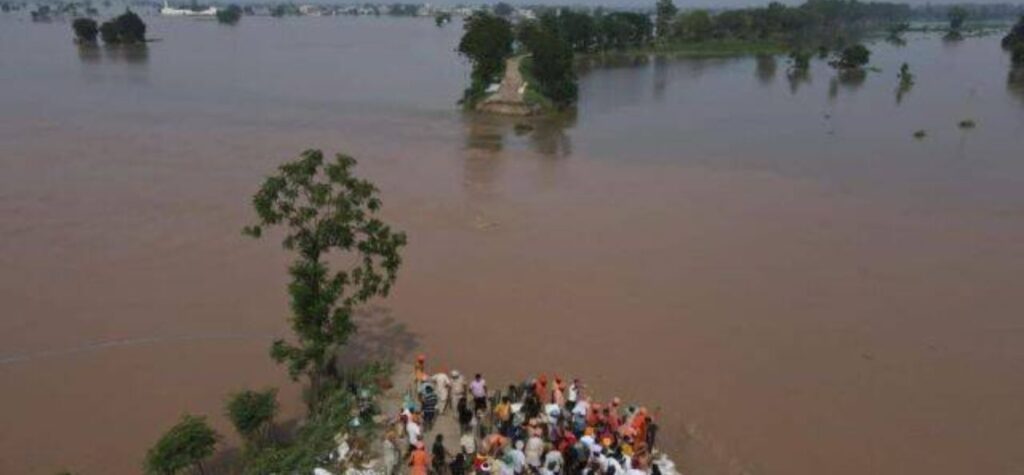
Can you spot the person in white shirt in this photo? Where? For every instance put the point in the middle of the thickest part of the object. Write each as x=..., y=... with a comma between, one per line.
x=443, y=386
x=534, y=452
x=573, y=393
x=413, y=432
x=553, y=461
x=518, y=458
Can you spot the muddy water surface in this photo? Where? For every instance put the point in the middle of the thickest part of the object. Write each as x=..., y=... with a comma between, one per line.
x=774, y=264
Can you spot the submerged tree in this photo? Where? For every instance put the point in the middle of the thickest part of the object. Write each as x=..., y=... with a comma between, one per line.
x=800, y=60
x=86, y=31
x=252, y=414
x=127, y=28
x=852, y=57
x=442, y=19
x=229, y=15
x=906, y=82
x=1014, y=43
x=326, y=211
x=182, y=448
x=905, y=76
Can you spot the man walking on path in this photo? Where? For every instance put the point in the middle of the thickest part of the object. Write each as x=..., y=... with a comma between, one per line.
x=443, y=384
x=429, y=407
x=478, y=388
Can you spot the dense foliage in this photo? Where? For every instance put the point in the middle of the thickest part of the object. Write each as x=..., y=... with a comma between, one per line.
x=85, y=30
x=324, y=208
x=347, y=407
x=852, y=57
x=252, y=414
x=181, y=448
x=957, y=15
x=126, y=29
x=487, y=43
x=1014, y=42
x=664, y=12
x=229, y=15
x=551, y=66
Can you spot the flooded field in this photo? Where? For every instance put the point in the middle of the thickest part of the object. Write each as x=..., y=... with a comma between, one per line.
x=795, y=283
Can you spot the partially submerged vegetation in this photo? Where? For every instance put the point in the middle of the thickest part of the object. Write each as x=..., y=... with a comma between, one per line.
x=323, y=209
x=125, y=29
x=230, y=15
x=1014, y=43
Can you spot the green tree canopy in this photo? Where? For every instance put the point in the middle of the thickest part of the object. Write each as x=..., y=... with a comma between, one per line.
x=551, y=65
x=325, y=209
x=853, y=57
x=181, y=448
x=252, y=413
x=1015, y=36
x=127, y=28
x=665, y=12
x=85, y=30
x=694, y=26
x=487, y=43
x=229, y=15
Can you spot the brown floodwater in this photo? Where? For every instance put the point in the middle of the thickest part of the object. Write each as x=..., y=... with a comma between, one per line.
x=793, y=282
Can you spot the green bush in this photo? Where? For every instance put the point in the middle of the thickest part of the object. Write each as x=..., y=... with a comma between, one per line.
x=183, y=447
x=853, y=57
x=252, y=413
x=127, y=28
x=86, y=30
x=229, y=15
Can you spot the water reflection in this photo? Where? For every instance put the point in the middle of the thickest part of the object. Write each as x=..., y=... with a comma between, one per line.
x=797, y=77
x=546, y=135
x=129, y=54
x=89, y=53
x=846, y=79
x=766, y=67
x=901, y=91
x=660, y=77
x=613, y=61
x=549, y=137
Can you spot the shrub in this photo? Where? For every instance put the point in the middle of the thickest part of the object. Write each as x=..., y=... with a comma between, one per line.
x=252, y=414
x=229, y=15
x=127, y=28
x=853, y=57
x=86, y=30
x=182, y=447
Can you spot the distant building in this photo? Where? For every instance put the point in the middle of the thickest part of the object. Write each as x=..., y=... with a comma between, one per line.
x=168, y=11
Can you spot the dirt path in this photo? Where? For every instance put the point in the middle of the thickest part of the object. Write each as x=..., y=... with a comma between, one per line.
x=508, y=99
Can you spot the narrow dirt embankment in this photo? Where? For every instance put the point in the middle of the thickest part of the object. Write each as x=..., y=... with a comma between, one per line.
x=509, y=98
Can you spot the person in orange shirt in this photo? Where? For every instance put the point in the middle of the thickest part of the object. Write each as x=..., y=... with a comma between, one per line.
x=419, y=460
x=420, y=372
x=540, y=389
x=640, y=425
x=559, y=392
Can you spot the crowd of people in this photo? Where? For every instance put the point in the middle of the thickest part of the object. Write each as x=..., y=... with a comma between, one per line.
x=538, y=427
